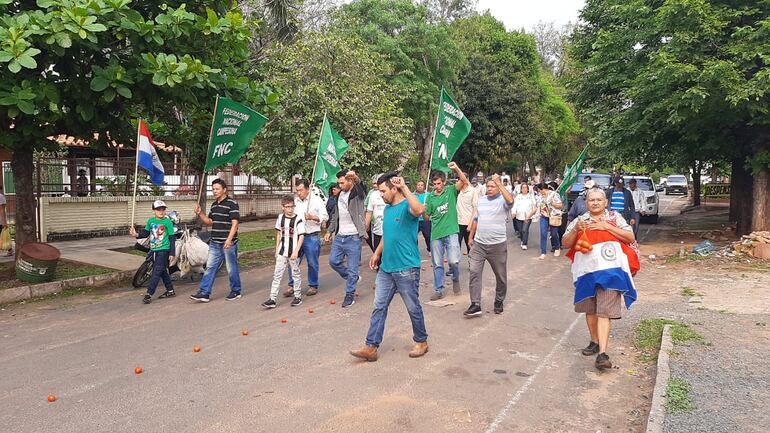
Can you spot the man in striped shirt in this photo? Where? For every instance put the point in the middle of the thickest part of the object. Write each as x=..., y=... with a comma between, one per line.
x=621, y=200
x=489, y=242
x=223, y=219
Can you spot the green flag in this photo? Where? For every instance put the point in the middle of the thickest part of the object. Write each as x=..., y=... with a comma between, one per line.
x=331, y=148
x=233, y=128
x=451, y=129
x=571, y=174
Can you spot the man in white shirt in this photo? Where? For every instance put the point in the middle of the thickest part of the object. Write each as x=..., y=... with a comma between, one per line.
x=467, y=200
x=313, y=209
x=375, y=212
x=639, y=199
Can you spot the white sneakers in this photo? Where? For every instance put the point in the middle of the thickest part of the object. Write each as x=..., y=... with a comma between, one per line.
x=557, y=253
x=524, y=247
x=542, y=257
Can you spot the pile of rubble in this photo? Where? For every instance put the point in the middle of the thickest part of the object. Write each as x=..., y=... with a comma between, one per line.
x=756, y=244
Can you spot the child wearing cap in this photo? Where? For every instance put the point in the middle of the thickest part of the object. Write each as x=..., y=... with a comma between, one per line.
x=160, y=230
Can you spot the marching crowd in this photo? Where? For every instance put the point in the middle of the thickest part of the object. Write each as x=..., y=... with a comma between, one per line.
x=389, y=218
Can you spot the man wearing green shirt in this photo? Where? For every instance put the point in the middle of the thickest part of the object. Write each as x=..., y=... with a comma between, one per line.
x=441, y=207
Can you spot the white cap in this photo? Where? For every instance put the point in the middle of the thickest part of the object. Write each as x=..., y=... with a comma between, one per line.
x=158, y=203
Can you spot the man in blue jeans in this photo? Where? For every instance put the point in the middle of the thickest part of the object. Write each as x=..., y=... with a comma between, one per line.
x=313, y=210
x=347, y=227
x=223, y=219
x=399, y=269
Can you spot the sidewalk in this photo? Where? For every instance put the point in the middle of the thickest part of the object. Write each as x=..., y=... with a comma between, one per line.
x=98, y=251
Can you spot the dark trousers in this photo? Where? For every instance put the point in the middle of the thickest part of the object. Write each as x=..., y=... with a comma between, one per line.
x=373, y=241
x=463, y=236
x=424, y=228
x=497, y=257
x=522, y=228
x=160, y=272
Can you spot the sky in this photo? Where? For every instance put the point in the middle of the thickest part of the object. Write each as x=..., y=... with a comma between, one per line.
x=518, y=14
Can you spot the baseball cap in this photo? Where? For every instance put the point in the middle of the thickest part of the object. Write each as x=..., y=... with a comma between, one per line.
x=157, y=204
x=618, y=180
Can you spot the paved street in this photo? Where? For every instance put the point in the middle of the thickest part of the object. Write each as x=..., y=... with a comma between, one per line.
x=519, y=371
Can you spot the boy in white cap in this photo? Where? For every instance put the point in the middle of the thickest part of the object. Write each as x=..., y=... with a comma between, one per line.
x=160, y=230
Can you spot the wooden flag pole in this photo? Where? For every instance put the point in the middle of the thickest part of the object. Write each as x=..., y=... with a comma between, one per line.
x=204, y=175
x=136, y=173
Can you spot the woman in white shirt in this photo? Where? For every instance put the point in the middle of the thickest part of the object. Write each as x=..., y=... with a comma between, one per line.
x=524, y=208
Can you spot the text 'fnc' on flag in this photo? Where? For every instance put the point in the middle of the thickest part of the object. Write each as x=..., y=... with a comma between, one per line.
x=452, y=127
x=331, y=148
x=233, y=127
x=147, y=156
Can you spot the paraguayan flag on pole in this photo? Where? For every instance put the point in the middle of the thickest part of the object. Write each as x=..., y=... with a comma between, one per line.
x=147, y=157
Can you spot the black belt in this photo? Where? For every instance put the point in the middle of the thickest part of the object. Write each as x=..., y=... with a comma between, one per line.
x=313, y=234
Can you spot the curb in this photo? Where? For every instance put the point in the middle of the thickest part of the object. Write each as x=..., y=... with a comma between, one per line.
x=658, y=406
x=16, y=294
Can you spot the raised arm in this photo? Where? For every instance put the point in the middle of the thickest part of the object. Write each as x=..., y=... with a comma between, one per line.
x=462, y=180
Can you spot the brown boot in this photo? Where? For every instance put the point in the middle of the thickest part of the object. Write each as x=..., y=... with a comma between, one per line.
x=368, y=353
x=289, y=292
x=311, y=291
x=419, y=349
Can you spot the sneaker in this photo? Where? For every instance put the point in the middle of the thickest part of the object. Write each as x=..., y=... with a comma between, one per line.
x=233, y=296
x=603, y=361
x=289, y=292
x=311, y=291
x=591, y=349
x=350, y=299
x=542, y=257
x=296, y=302
x=270, y=303
x=200, y=297
x=473, y=310
x=436, y=296
x=448, y=273
x=147, y=298
x=498, y=307
x=557, y=253
x=524, y=247
x=167, y=294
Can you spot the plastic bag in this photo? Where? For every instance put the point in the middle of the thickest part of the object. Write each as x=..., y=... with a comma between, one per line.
x=192, y=254
x=5, y=240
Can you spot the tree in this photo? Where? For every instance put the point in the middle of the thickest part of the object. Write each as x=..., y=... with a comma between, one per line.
x=422, y=56
x=680, y=83
x=336, y=74
x=552, y=44
x=449, y=10
x=91, y=67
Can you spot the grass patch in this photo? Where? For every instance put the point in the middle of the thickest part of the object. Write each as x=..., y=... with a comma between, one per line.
x=649, y=332
x=258, y=240
x=686, y=258
x=64, y=271
x=678, y=397
x=688, y=292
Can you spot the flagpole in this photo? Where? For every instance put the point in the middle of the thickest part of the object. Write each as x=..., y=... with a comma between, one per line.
x=433, y=136
x=317, y=151
x=136, y=173
x=204, y=175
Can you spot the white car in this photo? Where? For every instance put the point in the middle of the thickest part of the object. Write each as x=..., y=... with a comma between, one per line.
x=651, y=198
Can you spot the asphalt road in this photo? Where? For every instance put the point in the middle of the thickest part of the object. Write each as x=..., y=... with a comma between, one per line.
x=518, y=371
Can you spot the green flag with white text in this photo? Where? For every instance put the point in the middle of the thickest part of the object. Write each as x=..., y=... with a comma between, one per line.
x=331, y=148
x=452, y=127
x=572, y=172
x=233, y=128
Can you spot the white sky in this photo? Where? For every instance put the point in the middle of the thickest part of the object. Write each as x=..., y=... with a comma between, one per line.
x=518, y=14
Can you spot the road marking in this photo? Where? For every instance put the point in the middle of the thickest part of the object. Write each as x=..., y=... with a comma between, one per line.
x=525, y=387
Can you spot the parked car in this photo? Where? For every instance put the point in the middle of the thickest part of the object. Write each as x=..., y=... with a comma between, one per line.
x=676, y=183
x=651, y=198
x=601, y=180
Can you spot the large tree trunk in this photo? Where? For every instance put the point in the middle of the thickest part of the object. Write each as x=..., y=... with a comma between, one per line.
x=22, y=165
x=696, y=184
x=760, y=219
x=741, y=196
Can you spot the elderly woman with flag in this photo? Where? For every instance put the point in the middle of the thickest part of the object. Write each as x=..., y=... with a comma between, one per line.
x=604, y=258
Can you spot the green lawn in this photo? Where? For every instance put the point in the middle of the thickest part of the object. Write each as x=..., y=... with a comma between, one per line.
x=253, y=241
x=64, y=271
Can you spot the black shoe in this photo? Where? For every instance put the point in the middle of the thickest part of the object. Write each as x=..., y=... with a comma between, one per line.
x=167, y=294
x=233, y=296
x=200, y=297
x=296, y=302
x=448, y=273
x=603, y=361
x=591, y=349
x=498, y=307
x=350, y=299
x=473, y=310
x=269, y=304
x=147, y=298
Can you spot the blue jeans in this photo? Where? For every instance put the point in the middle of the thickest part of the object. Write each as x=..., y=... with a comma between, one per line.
x=407, y=284
x=311, y=248
x=451, y=245
x=545, y=230
x=350, y=247
x=217, y=254
x=522, y=228
x=159, y=272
